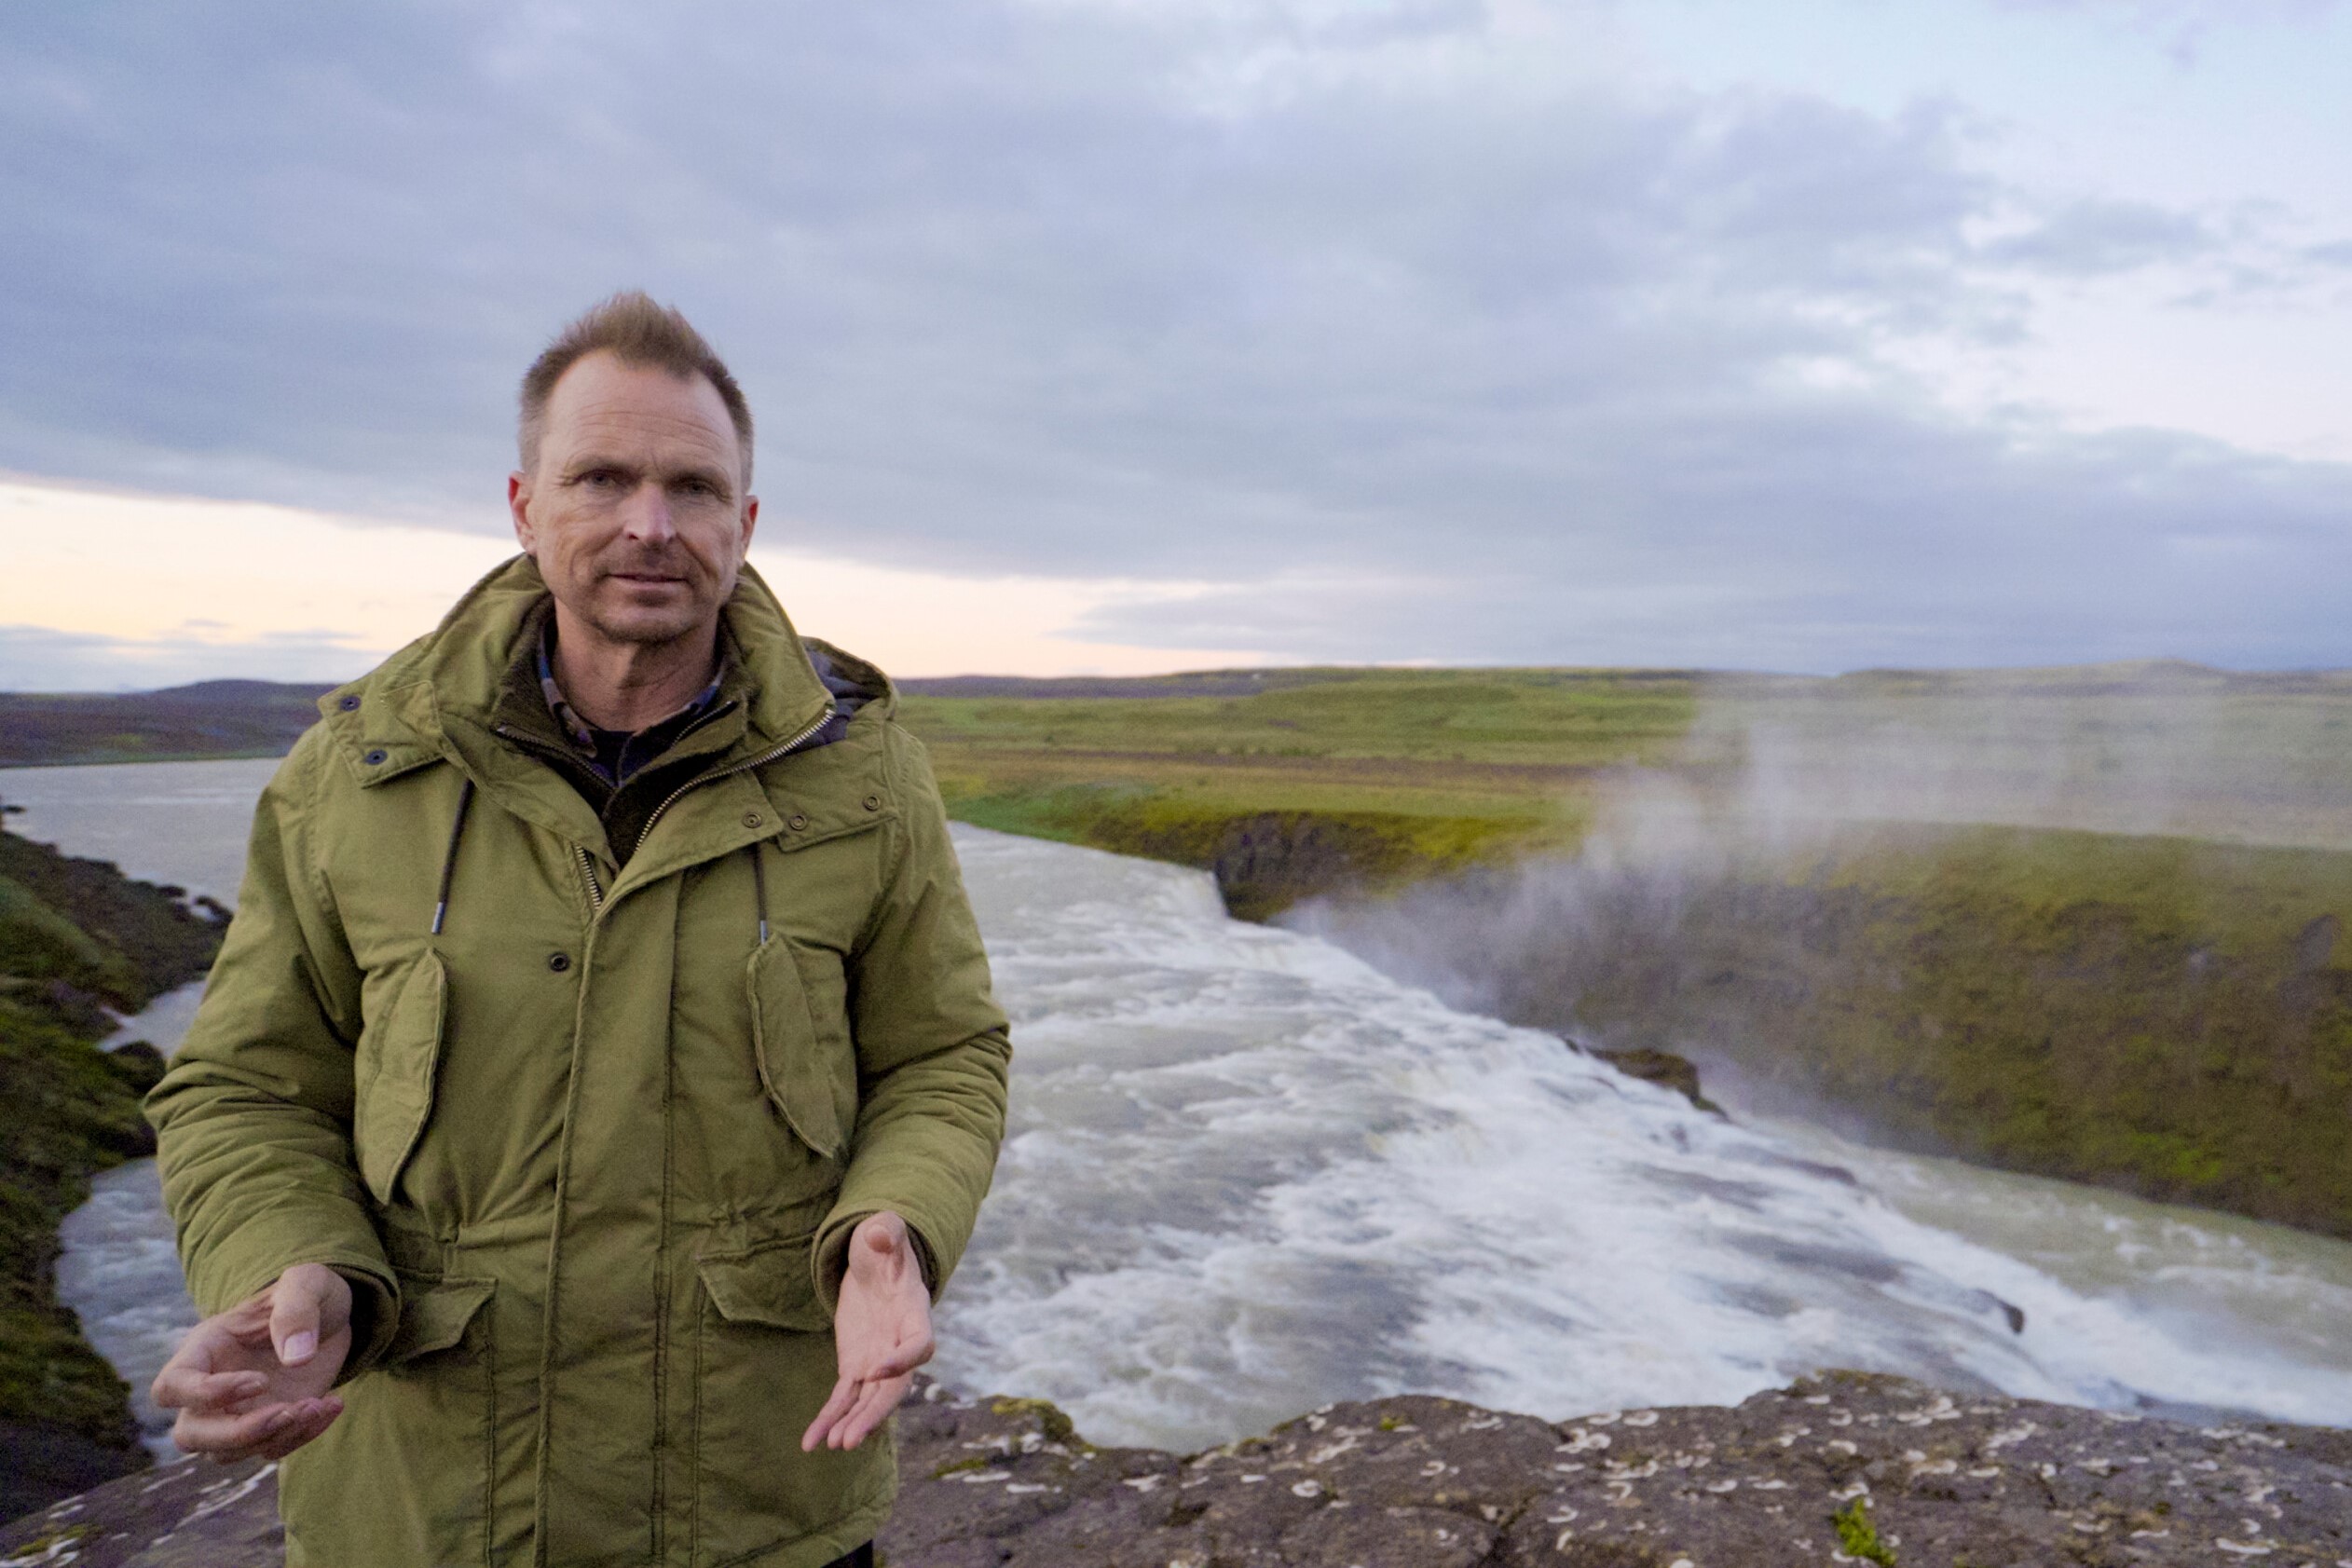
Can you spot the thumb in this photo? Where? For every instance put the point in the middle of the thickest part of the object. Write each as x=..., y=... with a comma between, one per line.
x=881, y=1238
x=293, y=1315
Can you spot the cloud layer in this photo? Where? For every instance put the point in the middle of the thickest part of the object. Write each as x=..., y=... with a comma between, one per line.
x=1412, y=325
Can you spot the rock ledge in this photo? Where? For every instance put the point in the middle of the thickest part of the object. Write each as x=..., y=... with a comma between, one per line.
x=1844, y=1466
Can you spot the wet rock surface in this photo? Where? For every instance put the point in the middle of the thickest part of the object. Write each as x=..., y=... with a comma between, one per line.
x=1918, y=1477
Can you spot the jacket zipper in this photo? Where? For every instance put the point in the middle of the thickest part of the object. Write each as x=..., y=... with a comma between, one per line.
x=789, y=746
x=588, y=876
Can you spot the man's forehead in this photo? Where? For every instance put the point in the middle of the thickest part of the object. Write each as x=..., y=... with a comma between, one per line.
x=603, y=398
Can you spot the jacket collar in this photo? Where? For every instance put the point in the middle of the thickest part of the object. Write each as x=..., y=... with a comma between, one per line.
x=438, y=697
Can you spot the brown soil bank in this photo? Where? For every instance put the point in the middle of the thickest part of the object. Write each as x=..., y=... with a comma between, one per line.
x=1877, y=1468
x=2169, y=1017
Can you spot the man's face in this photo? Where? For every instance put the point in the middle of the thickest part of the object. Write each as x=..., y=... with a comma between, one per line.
x=635, y=510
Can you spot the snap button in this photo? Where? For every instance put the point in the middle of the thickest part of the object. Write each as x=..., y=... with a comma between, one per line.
x=375, y=758
x=752, y=819
x=558, y=962
x=797, y=822
x=348, y=703
x=873, y=802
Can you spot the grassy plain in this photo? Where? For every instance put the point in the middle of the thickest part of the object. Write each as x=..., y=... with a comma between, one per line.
x=1413, y=773
x=1402, y=772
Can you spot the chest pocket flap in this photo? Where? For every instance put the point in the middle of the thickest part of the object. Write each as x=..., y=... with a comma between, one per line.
x=800, y=1029
x=399, y=1057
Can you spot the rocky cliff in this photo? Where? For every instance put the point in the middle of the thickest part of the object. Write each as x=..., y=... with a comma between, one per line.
x=1842, y=1467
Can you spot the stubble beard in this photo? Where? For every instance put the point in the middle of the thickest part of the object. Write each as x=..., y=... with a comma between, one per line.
x=618, y=619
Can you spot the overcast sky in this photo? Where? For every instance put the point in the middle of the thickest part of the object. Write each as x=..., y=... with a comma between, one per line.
x=1149, y=333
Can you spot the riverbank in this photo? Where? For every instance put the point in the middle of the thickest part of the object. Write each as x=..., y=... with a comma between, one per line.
x=1876, y=1468
x=78, y=943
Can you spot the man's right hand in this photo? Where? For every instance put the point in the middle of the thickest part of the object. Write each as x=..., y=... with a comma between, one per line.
x=252, y=1382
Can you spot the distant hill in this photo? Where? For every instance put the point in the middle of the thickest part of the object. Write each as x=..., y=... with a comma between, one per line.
x=211, y=718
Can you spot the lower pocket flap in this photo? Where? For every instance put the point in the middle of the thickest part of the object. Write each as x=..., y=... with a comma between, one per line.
x=771, y=1285
x=433, y=1315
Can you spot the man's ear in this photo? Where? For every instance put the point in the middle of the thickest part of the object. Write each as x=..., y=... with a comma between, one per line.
x=518, y=505
x=751, y=520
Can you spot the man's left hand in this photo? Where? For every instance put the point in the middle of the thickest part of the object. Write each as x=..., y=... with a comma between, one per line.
x=882, y=1332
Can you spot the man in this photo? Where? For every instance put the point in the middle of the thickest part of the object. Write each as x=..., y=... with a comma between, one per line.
x=600, y=1077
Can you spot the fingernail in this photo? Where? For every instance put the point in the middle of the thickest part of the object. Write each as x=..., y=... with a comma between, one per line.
x=299, y=1348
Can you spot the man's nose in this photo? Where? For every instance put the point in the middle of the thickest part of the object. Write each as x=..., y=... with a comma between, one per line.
x=645, y=514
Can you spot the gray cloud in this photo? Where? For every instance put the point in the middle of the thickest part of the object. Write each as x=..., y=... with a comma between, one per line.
x=1421, y=358
x=2089, y=237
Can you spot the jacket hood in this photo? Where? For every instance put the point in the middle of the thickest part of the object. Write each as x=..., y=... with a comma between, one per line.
x=450, y=678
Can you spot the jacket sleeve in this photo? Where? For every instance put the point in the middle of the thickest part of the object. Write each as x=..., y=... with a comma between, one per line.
x=931, y=1046
x=254, y=1118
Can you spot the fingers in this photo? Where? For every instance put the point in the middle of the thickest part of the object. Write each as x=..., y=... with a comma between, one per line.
x=271, y=1432
x=845, y=1394
x=204, y=1368
x=188, y=1387
x=850, y=1416
x=873, y=1407
x=318, y=1415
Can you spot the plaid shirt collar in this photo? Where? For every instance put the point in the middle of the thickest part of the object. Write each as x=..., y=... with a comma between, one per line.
x=596, y=747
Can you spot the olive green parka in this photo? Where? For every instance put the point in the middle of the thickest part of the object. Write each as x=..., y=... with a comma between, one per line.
x=588, y=1131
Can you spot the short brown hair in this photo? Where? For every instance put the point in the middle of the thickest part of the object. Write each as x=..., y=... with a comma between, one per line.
x=638, y=332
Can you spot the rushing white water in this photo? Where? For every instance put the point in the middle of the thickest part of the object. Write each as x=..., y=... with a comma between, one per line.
x=1247, y=1175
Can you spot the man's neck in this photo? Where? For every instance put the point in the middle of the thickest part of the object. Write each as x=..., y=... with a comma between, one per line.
x=629, y=686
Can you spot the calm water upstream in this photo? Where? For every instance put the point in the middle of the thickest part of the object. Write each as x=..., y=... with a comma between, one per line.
x=1248, y=1174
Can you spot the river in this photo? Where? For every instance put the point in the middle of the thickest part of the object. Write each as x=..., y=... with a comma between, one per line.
x=1247, y=1175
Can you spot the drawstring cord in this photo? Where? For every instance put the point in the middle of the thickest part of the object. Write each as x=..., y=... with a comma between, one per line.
x=449, y=861
x=759, y=889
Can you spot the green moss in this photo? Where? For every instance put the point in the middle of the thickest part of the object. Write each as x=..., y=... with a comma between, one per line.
x=1051, y=1420
x=54, y=1546
x=84, y=921
x=959, y=1466
x=74, y=1110
x=1858, y=1537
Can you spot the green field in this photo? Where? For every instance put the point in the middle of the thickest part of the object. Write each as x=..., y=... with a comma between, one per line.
x=1356, y=777
x=1413, y=773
